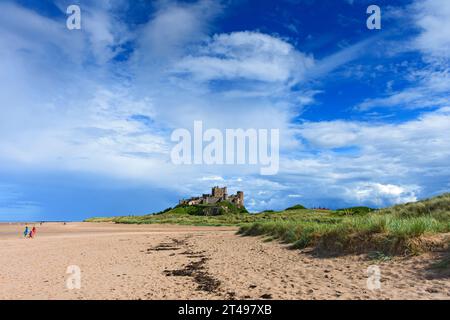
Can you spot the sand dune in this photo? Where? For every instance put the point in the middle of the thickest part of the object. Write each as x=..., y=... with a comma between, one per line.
x=184, y=262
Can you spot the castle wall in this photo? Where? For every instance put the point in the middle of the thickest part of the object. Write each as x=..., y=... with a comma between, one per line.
x=217, y=195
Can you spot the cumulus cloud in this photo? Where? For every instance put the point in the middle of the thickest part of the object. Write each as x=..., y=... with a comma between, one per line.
x=398, y=162
x=246, y=55
x=429, y=132
x=431, y=16
x=378, y=195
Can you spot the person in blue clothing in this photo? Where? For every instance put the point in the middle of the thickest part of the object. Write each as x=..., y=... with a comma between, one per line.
x=25, y=232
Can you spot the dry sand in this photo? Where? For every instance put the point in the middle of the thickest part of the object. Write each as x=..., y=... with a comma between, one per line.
x=184, y=262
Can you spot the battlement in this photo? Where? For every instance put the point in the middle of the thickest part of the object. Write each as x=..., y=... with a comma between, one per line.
x=217, y=195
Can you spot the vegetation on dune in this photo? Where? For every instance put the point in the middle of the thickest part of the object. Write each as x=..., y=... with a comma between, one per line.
x=220, y=208
x=437, y=207
x=296, y=207
x=193, y=215
x=99, y=219
x=354, y=211
x=222, y=213
x=401, y=229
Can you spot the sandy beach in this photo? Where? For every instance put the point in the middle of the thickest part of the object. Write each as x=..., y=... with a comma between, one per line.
x=186, y=262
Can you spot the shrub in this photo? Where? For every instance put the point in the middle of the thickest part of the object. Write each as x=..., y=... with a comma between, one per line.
x=296, y=207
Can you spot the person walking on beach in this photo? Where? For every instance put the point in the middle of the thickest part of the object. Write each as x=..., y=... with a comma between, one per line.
x=25, y=232
x=33, y=232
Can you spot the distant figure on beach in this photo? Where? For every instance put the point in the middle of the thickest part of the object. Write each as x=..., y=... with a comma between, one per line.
x=33, y=232
x=25, y=232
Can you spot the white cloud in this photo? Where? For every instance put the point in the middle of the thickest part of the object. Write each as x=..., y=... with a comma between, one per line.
x=171, y=31
x=211, y=178
x=377, y=194
x=429, y=132
x=430, y=89
x=428, y=84
x=339, y=58
x=332, y=134
x=396, y=161
x=432, y=17
x=246, y=55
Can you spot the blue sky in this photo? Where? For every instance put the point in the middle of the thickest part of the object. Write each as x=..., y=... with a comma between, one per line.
x=86, y=115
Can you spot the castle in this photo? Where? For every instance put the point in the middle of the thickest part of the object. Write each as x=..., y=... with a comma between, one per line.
x=217, y=195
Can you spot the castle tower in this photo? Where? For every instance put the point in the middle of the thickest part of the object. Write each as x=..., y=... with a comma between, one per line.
x=219, y=193
x=240, y=196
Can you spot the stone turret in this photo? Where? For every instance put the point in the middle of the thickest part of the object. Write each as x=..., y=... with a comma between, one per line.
x=219, y=193
x=240, y=195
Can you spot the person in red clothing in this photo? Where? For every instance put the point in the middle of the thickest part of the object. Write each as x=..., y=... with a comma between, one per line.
x=33, y=232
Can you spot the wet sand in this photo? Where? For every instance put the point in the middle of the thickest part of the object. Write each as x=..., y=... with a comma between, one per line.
x=186, y=262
